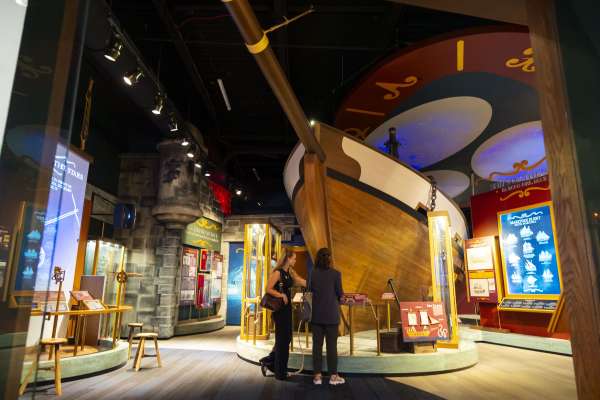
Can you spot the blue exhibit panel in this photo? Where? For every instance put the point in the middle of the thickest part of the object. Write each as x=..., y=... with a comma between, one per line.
x=234, y=283
x=529, y=254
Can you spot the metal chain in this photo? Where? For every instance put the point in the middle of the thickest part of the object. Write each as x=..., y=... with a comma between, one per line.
x=433, y=193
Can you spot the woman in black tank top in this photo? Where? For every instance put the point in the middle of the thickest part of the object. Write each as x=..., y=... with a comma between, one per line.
x=279, y=285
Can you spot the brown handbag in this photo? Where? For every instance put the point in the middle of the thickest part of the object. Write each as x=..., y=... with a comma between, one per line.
x=271, y=302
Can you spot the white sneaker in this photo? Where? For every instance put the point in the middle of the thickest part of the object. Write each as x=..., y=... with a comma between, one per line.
x=336, y=380
x=317, y=380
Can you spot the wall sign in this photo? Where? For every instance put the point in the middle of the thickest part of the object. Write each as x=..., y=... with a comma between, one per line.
x=529, y=253
x=423, y=321
x=483, y=275
x=204, y=233
x=539, y=305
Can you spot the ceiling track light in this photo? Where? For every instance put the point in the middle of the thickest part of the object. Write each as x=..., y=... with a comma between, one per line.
x=207, y=174
x=133, y=77
x=224, y=94
x=159, y=103
x=185, y=142
x=238, y=192
x=190, y=153
x=198, y=165
x=113, y=51
x=173, y=126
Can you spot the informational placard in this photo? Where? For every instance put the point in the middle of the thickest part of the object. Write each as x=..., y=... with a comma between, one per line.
x=189, y=268
x=529, y=253
x=539, y=305
x=480, y=257
x=216, y=275
x=204, y=233
x=482, y=269
x=29, y=250
x=423, y=321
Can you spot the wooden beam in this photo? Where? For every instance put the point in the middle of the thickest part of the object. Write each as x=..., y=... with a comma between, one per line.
x=511, y=11
x=579, y=269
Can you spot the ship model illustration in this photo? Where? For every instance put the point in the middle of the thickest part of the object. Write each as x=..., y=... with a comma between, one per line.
x=526, y=232
x=530, y=267
x=548, y=276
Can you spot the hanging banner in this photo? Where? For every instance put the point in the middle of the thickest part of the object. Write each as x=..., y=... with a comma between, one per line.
x=529, y=253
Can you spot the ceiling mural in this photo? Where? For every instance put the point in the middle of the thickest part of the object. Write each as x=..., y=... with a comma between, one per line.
x=464, y=103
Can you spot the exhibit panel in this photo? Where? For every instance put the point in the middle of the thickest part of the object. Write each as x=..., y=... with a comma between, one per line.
x=520, y=216
x=201, y=272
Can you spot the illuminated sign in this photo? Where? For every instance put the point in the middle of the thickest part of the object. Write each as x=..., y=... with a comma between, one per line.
x=529, y=252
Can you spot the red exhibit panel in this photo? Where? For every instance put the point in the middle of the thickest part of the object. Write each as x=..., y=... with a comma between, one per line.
x=484, y=213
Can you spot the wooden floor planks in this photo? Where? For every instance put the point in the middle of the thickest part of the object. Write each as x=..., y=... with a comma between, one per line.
x=192, y=371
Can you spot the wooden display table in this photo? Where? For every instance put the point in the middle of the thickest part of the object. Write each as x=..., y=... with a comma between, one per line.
x=80, y=315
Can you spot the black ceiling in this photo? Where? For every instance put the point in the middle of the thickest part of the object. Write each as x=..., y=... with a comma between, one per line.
x=322, y=53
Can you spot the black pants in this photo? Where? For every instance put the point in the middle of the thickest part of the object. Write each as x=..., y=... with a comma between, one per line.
x=283, y=337
x=330, y=332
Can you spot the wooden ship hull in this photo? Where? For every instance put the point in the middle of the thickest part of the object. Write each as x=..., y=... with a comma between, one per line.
x=359, y=202
x=364, y=206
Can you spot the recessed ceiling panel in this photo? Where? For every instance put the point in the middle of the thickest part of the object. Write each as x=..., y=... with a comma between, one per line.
x=435, y=130
x=515, y=154
x=453, y=183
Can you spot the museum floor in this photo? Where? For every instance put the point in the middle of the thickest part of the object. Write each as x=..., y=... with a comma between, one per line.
x=207, y=367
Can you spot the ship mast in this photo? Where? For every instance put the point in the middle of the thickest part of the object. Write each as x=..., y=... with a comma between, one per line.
x=257, y=43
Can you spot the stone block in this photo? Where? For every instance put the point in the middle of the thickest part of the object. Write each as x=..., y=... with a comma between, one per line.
x=166, y=331
x=147, y=286
x=147, y=302
x=167, y=272
x=138, y=243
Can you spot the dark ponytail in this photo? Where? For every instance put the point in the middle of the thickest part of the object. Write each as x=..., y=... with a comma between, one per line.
x=323, y=259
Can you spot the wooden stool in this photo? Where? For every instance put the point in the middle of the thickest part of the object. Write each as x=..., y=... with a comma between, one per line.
x=140, y=351
x=55, y=343
x=132, y=326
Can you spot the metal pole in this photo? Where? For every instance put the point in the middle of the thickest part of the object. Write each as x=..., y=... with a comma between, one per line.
x=257, y=43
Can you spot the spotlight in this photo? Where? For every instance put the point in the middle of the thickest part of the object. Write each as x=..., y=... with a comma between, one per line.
x=259, y=203
x=198, y=165
x=173, y=123
x=312, y=122
x=113, y=52
x=185, y=142
x=133, y=77
x=238, y=192
x=207, y=173
x=159, y=103
x=190, y=154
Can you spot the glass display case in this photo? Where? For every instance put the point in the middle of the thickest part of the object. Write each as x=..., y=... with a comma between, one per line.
x=262, y=249
x=103, y=257
x=442, y=270
x=200, y=290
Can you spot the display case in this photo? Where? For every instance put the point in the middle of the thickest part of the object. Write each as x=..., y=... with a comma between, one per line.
x=200, y=291
x=442, y=270
x=262, y=249
x=103, y=257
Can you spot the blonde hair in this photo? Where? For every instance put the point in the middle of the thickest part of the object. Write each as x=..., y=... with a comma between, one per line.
x=287, y=254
